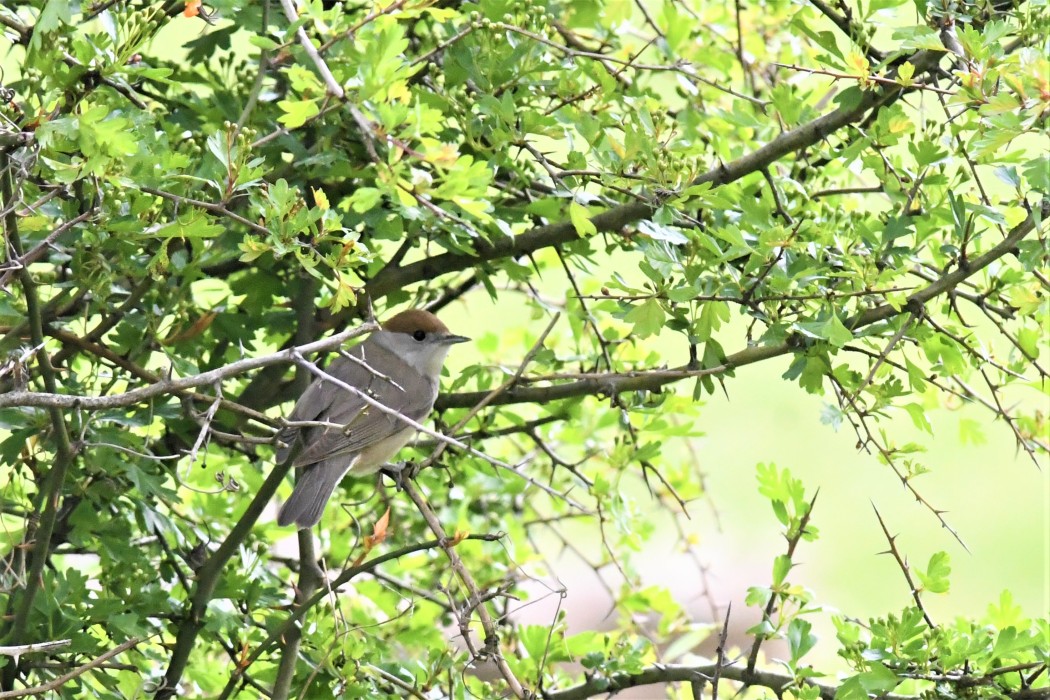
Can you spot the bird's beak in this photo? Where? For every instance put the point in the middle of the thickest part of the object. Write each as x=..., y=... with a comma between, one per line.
x=453, y=339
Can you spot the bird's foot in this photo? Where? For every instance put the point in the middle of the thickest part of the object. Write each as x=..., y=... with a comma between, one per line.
x=401, y=473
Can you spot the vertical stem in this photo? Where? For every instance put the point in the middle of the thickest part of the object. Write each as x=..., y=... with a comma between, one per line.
x=309, y=582
x=39, y=540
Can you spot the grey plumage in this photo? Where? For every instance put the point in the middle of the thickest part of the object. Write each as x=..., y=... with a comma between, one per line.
x=406, y=358
x=312, y=490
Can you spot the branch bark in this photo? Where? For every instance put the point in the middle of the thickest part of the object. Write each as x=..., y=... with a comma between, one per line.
x=681, y=673
x=778, y=683
x=169, y=386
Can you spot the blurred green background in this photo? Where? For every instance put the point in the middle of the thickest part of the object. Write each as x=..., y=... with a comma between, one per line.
x=994, y=497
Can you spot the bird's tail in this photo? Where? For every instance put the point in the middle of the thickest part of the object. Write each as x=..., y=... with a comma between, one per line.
x=312, y=490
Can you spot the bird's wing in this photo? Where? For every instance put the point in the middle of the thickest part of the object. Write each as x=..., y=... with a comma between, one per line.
x=360, y=424
x=317, y=400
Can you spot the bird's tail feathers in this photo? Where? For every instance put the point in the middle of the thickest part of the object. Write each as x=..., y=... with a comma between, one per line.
x=312, y=490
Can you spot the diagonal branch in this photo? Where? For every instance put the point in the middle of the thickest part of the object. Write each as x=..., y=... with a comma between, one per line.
x=491, y=650
x=654, y=379
x=612, y=220
x=170, y=386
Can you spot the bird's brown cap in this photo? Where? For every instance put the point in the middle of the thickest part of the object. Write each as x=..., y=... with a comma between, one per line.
x=415, y=320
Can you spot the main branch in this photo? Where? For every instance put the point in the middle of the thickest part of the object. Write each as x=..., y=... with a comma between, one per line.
x=615, y=383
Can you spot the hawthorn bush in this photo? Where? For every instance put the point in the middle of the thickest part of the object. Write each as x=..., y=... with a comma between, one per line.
x=200, y=200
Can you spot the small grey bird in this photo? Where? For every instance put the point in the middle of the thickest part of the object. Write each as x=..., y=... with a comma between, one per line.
x=406, y=356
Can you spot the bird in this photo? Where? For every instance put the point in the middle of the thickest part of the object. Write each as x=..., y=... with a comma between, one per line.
x=398, y=366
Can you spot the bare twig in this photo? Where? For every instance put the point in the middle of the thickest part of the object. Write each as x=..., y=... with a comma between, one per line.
x=903, y=565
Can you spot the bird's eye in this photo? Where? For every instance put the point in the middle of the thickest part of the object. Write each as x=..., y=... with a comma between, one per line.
x=420, y=335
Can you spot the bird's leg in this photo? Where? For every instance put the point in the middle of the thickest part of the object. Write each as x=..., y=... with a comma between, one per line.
x=401, y=472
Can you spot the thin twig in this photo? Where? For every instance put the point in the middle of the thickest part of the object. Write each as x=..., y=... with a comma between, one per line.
x=60, y=681
x=463, y=574
x=885, y=353
x=903, y=565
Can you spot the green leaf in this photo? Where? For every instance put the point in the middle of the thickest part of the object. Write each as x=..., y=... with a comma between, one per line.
x=918, y=417
x=918, y=37
x=297, y=112
x=647, y=318
x=757, y=596
x=1037, y=172
x=935, y=578
x=580, y=220
x=55, y=14
x=835, y=333
x=905, y=73
x=712, y=315
x=192, y=225
x=781, y=568
x=879, y=679
x=584, y=643
x=365, y=199
x=537, y=640
x=800, y=638
x=263, y=42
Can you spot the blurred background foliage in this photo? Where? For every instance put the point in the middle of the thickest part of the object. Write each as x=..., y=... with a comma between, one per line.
x=717, y=259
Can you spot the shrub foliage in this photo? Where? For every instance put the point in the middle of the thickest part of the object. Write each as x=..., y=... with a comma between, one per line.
x=664, y=191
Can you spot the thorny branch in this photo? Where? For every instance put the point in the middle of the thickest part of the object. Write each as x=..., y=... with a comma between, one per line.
x=678, y=673
x=891, y=540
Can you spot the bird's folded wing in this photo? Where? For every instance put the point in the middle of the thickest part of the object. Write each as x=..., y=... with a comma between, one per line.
x=362, y=425
x=316, y=401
